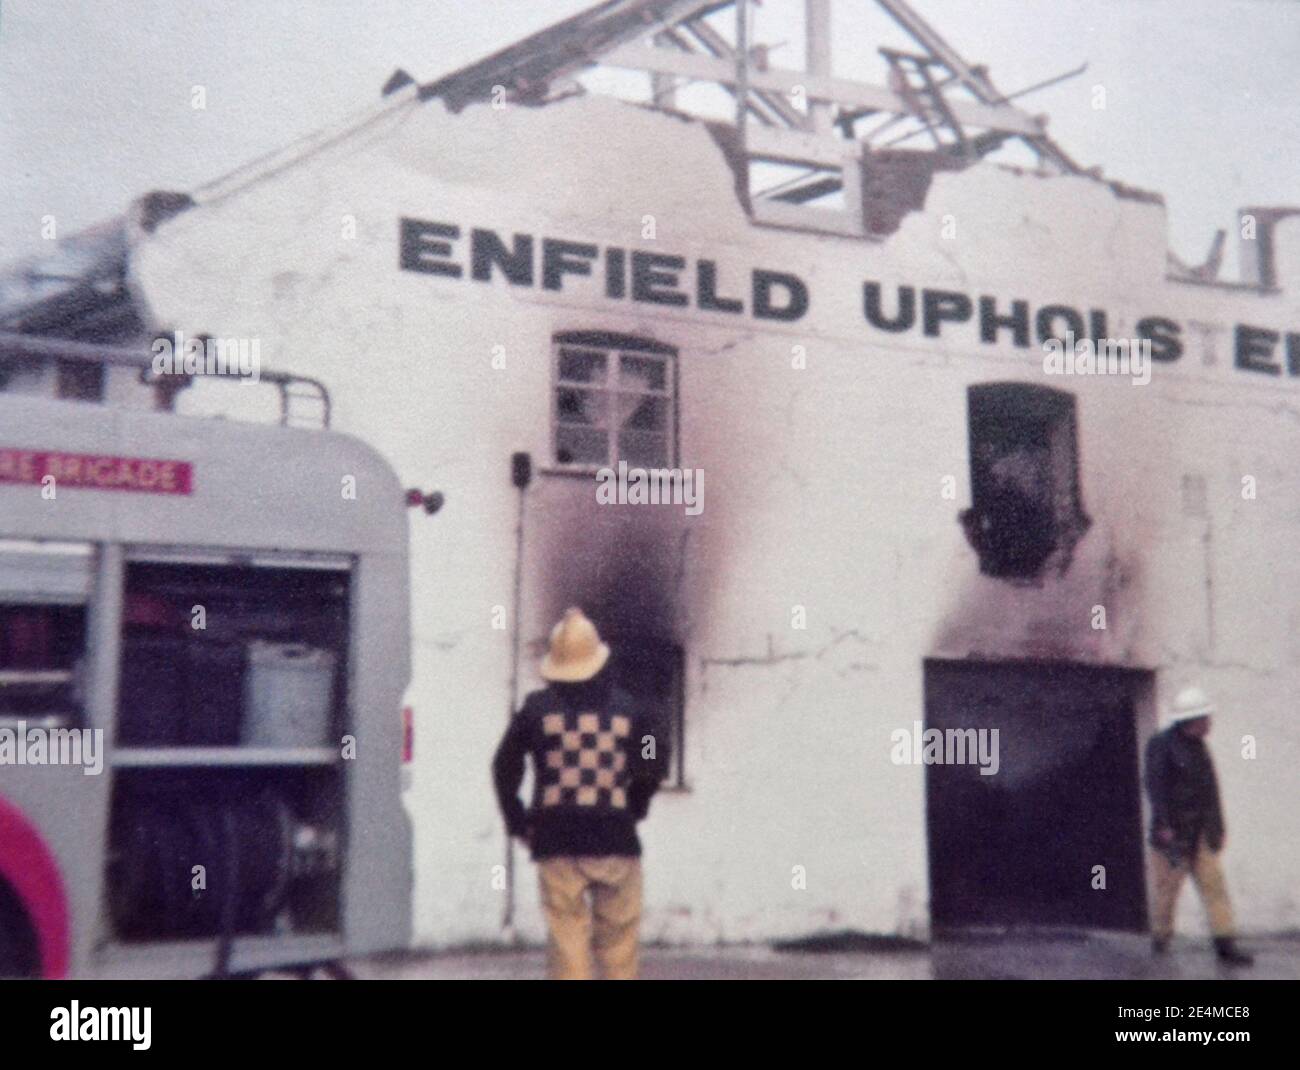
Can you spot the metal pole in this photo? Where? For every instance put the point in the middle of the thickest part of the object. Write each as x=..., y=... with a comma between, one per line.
x=521, y=482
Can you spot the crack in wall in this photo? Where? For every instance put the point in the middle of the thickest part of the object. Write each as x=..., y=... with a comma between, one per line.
x=772, y=657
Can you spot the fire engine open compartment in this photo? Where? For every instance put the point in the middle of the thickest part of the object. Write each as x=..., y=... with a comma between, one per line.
x=228, y=797
x=43, y=591
x=206, y=852
x=40, y=654
x=232, y=655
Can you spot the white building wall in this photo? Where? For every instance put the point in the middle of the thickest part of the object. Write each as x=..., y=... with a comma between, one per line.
x=823, y=490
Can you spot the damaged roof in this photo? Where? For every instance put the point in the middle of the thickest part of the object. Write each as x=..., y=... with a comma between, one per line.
x=835, y=158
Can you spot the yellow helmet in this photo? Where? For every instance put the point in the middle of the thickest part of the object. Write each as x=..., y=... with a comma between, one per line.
x=577, y=652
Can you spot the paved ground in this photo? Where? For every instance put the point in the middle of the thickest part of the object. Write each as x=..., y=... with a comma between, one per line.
x=1084, y=956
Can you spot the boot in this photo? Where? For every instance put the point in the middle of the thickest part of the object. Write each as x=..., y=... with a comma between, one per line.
x=1159, y=945
x=1229, y=954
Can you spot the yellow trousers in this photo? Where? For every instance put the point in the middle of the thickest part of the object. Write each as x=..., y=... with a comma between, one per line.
x=1167, y=882
x=593, y=907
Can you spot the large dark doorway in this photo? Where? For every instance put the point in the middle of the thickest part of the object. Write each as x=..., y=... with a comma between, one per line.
x=1019, y=847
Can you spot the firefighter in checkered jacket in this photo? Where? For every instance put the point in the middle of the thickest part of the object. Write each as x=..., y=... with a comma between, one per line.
x=596, y=761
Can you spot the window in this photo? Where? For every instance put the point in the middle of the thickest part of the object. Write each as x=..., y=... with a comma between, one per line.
x=1026, y=514
x=615, y=400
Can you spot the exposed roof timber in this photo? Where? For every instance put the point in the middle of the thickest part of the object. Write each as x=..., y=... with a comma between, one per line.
x=768, y=108
x=928, y=102
x=974, y=78
x=720, y=47
x=608, y=34
x=850, y=94
x=530, y=65
x=989, y=141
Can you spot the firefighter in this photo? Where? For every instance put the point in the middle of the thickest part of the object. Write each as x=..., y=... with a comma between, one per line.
x=595, y=760
x=1187, y=829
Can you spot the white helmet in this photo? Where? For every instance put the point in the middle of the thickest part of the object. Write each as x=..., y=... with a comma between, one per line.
x=1188, y=704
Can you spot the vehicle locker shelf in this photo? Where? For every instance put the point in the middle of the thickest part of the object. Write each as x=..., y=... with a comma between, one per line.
x=140, y=757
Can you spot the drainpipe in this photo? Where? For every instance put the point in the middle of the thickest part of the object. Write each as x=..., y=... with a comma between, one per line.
x=521, y=474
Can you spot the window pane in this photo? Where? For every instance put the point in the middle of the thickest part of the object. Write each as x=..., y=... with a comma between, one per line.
x=609, y=398
x=582, y=365
x=643, y=449
x=644, y=373
x=644, y=412
x=580, y=445
x=577, y=406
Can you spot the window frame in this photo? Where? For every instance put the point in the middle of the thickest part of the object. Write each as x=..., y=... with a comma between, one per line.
x=1052, y=414
x=614, y=346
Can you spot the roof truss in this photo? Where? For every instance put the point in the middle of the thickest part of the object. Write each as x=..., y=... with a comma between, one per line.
x=807, y=119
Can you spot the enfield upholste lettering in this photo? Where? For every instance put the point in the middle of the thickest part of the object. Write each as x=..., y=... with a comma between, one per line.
x=523, y=260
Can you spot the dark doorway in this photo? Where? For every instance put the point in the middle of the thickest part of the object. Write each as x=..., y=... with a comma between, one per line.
x=1019, y=847
x=652, y=671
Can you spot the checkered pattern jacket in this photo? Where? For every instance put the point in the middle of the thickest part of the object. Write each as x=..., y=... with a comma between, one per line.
x=591, y=784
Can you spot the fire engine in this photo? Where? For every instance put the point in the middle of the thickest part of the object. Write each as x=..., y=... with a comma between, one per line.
x=219, y=613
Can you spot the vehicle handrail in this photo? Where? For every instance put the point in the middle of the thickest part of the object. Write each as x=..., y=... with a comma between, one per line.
x=13, y=342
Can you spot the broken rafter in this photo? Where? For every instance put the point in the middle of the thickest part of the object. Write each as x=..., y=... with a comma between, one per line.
x=985, y=143
x=671, y=41
x=974, y=78
x=604, y=34
x=528, y=67
x=850, y=94
x=718, y=46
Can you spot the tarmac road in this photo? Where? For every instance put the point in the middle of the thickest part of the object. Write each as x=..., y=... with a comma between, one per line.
x=1084, y=956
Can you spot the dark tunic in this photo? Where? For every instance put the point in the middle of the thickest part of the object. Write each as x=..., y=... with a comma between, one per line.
x=1184, y=793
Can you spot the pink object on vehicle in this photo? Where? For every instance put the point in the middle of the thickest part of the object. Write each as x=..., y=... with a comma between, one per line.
x=29, y=867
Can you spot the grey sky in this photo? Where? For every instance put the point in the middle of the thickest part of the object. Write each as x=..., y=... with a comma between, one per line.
x=1201, y=95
